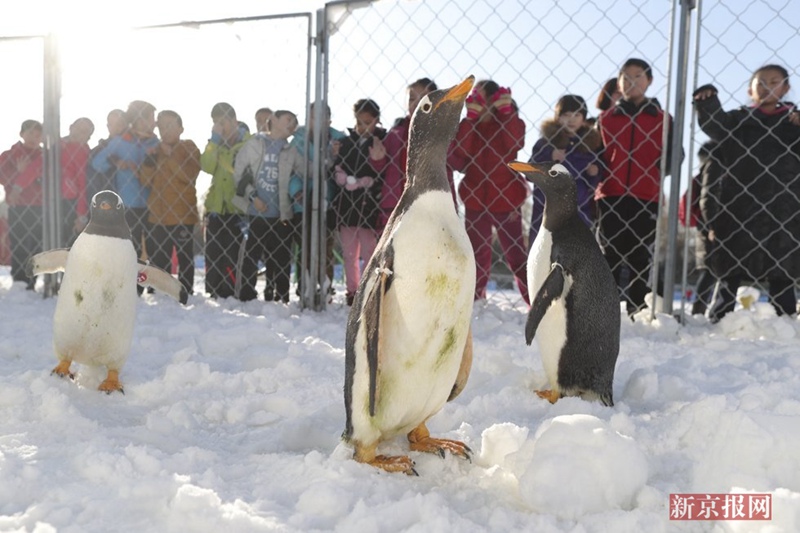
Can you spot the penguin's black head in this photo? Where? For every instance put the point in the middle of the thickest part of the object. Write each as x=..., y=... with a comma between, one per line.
x=108, y=216
x=433, y=126
x=558, y=186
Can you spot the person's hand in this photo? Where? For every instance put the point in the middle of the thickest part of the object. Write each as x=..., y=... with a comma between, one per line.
x=711, y=235
x=14, y=195
x=259, y=204
x=377, y=151
x=592, y=169
x=351, y=183
x=22, y=163
x=501, y=101
x=476, y=105
x=123, y=164
x=704, y=92
x=166, y=149
x=794, y=117
x=559, y=155
x=216, y=134
x=366, y=182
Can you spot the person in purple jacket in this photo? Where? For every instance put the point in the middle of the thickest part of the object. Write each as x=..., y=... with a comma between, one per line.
x=568, y=139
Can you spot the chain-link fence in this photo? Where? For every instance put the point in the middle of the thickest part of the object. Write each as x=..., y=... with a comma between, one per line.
x=544, y=68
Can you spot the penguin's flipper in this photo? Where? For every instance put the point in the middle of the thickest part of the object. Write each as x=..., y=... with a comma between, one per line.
x=373, y=322
x=420, y=440
x=48, y=262
x=551, y=289
x=150, y=276
x=463, y=370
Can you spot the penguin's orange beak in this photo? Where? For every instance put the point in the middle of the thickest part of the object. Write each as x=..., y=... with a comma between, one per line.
x=459, y=92
x=105, y=206
x=519, y=166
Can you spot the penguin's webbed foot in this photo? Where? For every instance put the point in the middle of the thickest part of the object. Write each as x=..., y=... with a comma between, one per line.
x=365, y=453
x=111, y=383
x=395, y=463
x=549, y=395
x=420, y=440
x=62, y=370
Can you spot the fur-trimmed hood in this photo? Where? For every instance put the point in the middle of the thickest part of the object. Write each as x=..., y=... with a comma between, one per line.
x=557, y=136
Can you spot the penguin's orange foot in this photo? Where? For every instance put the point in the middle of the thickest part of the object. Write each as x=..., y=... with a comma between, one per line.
x=439, y=446
x=420, y=440
x=62, y=370
x=111, y=383
x=549, y=395
x=394, y=463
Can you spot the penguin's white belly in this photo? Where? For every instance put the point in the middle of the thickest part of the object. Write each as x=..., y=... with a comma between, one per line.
x=551, y=335
x=96, y=307
x=427, y=315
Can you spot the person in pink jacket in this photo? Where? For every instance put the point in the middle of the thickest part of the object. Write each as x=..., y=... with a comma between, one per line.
x=491, y=135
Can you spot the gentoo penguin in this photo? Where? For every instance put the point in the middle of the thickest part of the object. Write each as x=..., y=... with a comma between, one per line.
x=574, y=298
x=408, y=348
x=96, y=308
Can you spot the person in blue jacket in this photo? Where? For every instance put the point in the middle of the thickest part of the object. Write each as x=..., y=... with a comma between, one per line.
x=126, y=153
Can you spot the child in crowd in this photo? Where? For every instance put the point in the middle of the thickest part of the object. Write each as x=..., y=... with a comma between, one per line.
x=755, y=233
x=171, y=173
x=25, y=223
x=265, y=167
x=490, y=137
x=223, y=236
x=569, y=140
x=126, y=153
x=632, y=132
x=117, y=124
x=356, y=202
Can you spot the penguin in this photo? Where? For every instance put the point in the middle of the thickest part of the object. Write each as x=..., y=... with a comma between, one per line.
x=574, y=297
x=408, y=345
x=96, y=307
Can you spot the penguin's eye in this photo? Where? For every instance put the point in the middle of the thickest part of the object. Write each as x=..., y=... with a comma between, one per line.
x=426, y=106
x=119, y=206
x=552, y=173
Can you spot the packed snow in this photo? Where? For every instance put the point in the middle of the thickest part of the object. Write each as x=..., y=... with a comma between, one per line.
x=232, y=415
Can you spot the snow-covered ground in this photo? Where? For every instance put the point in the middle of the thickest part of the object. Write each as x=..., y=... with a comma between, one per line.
x=232, y=416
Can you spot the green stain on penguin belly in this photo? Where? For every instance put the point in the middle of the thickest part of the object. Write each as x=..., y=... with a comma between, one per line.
x=108, y=297
x=446, y=350
x=78, y=297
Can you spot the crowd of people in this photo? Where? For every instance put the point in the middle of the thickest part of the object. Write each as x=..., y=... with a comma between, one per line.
x=746, y=197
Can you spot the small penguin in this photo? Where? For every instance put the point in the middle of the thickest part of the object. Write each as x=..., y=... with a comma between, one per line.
x=96, y=308
x=408, y=348
x=574, y=298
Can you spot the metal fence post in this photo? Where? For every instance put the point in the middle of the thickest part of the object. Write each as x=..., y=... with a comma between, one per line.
x=51, y=178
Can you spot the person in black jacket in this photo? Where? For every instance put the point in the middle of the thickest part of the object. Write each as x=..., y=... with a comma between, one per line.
x=754, y=207
x=356, y=201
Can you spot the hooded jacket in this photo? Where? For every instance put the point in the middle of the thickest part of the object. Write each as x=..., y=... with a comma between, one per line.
x=482, y=151
x=632, y=137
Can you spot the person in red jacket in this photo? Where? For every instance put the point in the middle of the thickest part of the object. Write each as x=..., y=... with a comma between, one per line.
x=74, y=160
x=488, y=138
x=627, y=198
x=24, y=200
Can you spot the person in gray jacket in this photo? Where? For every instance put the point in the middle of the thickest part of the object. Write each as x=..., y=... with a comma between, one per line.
x=263, y=171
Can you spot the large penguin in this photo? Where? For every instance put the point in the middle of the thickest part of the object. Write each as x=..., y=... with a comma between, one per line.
x=574, y=298
x=96, y=308
x=408, y=347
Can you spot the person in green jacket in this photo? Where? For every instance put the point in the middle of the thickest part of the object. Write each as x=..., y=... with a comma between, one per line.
x=223, y=236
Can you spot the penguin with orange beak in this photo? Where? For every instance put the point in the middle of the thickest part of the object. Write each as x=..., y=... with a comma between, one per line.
x=96, y=308
x=408, y=348
x=575, y=313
